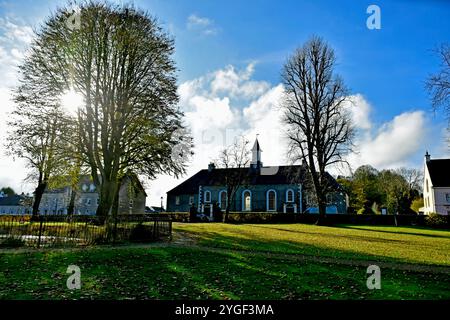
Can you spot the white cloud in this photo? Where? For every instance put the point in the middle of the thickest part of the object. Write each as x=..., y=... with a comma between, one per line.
x=394, y=143
x=12, y=171
x=238, y=83
x=13, y=31
x=212, y=105
x=14, y=39
x=196, y=20
x=202, y=24
x=360, y=110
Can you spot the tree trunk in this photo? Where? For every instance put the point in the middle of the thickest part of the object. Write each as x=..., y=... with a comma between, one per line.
x=227, y=211
x=71, y=207
x=108, y=191
x=322, y=206
x=37, y=198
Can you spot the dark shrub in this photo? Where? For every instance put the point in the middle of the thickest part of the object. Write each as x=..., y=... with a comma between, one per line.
x=141, y=233
x=12, y=242
x=192, y=214
x=435, y=220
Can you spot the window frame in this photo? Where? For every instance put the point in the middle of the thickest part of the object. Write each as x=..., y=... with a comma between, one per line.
x=207, y=192
x=290, y=191
x=220, y=199
x=243, y=200
x=268, y=200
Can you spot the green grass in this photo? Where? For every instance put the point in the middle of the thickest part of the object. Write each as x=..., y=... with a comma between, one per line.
x=268, y=264
x=395, y=244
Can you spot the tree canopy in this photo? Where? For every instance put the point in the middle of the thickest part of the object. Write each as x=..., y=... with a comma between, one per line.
x=119, y=61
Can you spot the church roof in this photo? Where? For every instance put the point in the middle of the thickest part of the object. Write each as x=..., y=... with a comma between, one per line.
x=439, y=170
x=284, y=175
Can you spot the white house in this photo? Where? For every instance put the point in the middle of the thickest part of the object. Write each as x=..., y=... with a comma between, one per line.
x=436, y=186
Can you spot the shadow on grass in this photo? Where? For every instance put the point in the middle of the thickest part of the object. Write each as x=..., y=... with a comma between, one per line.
x=345, y=236
x=352, y=227
x=396, y=251
x=190, y=273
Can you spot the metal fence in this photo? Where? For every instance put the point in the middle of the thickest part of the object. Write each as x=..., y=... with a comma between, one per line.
x=65, y=230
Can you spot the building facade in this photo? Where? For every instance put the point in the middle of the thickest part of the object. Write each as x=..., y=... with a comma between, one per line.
x=132, y=198
x=15, y=204
x=436, y=186
x=277, y=189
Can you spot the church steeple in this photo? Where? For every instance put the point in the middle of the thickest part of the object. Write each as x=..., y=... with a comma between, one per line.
x=256, y=155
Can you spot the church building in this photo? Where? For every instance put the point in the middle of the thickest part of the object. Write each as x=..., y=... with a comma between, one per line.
x=276, y=189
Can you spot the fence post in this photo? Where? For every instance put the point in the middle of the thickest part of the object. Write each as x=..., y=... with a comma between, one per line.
x=41, y=220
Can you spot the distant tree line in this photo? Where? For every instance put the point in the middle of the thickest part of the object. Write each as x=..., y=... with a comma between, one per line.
x=369, y=190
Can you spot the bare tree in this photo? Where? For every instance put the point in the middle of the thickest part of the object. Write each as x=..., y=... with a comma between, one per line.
x=319, y=127
x=413, y=177
x=235, y=159
x=119, y=60
x=438, y=85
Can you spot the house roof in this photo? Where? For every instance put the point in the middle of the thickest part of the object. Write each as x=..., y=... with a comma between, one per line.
x=12, y=200
x=275, y=175
x=439, y=170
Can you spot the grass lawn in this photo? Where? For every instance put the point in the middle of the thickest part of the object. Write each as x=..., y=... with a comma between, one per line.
x=218, y=261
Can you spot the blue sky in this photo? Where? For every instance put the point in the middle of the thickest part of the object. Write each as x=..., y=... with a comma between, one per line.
x=249, y=41
x=388, y=65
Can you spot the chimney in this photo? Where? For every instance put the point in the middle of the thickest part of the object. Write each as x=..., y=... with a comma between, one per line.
x=211, y=166
x=427, y=157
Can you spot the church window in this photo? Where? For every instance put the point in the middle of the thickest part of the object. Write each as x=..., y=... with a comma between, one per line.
x=271, y=200
x=290, y=196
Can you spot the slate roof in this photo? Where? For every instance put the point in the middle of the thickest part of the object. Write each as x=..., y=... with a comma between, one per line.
x=439, y=170
x=12, y=200
x=216, y=177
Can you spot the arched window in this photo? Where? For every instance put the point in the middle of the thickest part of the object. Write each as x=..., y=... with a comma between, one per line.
x=246, y=200
x=271, y=200
x=207, y=196
x=223, y=199
x=289, y=195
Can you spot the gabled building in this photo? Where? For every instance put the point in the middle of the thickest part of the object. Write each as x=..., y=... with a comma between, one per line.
x=132, y=198
x=436, y=186
x=15, y=204
x=263, y=189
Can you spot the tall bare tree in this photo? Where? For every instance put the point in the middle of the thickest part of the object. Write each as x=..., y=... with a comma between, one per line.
x=318, y=125
x=438, y=84
x=119, y=59
x=235, y=159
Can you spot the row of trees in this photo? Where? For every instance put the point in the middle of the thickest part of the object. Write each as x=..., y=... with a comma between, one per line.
x=119, y=61
x=369, y=190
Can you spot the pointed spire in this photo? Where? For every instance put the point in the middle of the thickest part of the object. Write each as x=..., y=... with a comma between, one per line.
x=256, y=155
x=256, y=146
